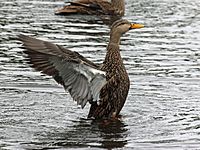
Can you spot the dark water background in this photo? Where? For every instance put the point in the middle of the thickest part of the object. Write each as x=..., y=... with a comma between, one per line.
x=163, y=60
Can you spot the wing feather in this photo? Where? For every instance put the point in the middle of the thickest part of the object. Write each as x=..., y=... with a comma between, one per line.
x=78, y=75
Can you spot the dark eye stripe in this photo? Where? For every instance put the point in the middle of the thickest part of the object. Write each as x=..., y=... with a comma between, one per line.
x=119, y=23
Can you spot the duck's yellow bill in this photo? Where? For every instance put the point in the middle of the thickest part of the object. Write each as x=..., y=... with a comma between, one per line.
x=136, y=26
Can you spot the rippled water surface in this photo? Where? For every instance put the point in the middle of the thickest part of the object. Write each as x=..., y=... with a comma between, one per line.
x=163, y=60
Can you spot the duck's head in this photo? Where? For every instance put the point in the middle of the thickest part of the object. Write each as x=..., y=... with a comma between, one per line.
x=122, y=26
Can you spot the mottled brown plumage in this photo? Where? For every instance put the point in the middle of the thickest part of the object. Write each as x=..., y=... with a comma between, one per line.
x=105, y=87
x=94, y=7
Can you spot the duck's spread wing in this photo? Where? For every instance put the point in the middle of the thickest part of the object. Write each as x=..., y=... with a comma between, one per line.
x=78, y=75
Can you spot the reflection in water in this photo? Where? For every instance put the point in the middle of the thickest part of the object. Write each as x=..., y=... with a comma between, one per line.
x=85, y=133
x=113, y=133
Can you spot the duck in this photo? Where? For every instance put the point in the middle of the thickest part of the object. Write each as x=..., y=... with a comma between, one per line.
x=94, y=7
x=104, y=86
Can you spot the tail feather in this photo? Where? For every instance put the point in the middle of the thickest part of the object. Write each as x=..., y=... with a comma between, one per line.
x=67, y=10
x=78, y=4
x=77, y=7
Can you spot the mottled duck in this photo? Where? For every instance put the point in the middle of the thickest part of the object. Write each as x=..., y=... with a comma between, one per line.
x=104, y=86
x=94, y=7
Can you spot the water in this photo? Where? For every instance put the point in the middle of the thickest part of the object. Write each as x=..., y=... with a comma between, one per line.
x=163, y=60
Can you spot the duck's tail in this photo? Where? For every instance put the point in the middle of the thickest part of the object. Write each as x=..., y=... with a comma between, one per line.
x=67, y=10
x=77, y=7
x=72, y=8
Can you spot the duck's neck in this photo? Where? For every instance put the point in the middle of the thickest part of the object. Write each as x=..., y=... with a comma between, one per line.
x=115, y=38
x=119, y=5
x=113, y=57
